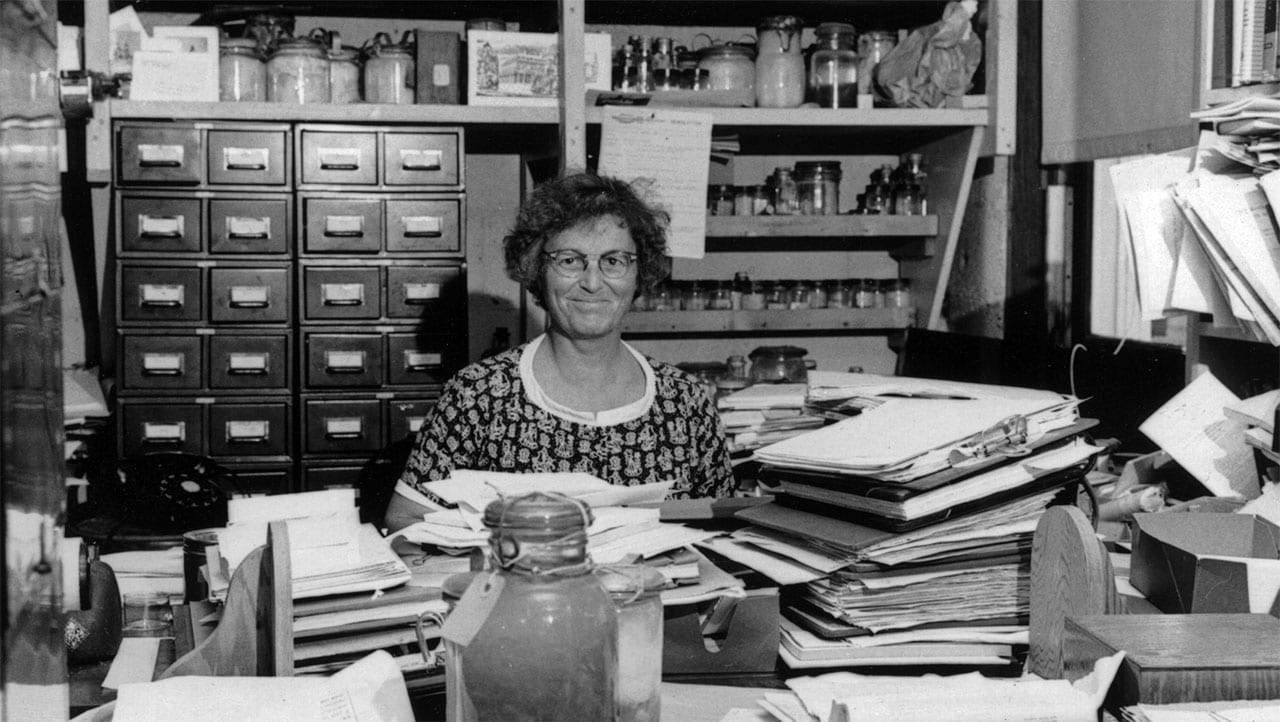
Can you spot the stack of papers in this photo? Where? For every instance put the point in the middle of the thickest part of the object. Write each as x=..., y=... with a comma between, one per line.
x=764, y=414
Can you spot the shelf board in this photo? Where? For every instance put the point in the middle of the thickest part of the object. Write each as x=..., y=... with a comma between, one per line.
x=820, y=226
x=1218, y=96
x=526, y=115
x=817, y=319
x=1229, y=333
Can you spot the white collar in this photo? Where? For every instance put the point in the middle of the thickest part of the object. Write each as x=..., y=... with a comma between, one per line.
x=608, y=417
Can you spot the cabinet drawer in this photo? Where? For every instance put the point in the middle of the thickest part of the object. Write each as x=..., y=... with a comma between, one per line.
x=342, y=426
x=417, y=359
x=420, y=159
x=424, y=226
x=342, y=225
x=336, y=475
x=405, y=418
x=342, y=293
x=339, y=158
x=344, y=360
x=152, y=427
x=433, y=295
x=255, y=478
x=163, y=154
x=153, y=362
x=249, y=429
x=160, y=293
x=248, y=157
x=156, y=224
x=249, y=295
x=249, y=361
x=245, y=225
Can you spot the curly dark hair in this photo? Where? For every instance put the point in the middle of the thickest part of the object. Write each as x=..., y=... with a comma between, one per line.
x=563, y=203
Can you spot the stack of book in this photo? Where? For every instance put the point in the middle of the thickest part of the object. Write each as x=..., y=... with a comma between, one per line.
x=923, y=559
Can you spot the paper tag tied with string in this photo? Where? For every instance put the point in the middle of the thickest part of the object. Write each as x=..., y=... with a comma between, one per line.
x=472, y=610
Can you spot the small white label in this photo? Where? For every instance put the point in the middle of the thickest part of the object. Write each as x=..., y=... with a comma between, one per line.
x=345, y=293
x=161, y=225
x=345, y=425
x=415, y=423
x=344, y=359
x=167, y=154
x=343, y=157
x=422, y=224
x=162, y=293
x=420, y=158
x=241, y=226
x=418, y=359
x=249, y=295
x=162, y=362
x=441, y=74
x=421, y=291
x=344, y=224
x=155, y=431
x=251, y=429
x=245, y=158
x=247, y=361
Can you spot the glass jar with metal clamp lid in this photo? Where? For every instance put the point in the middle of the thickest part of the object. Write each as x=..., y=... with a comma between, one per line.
x=389, y=70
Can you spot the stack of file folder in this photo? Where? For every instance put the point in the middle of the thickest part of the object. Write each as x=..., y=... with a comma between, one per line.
x=926, y=508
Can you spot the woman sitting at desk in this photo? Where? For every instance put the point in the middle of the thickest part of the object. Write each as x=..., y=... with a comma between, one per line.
x=576, y=398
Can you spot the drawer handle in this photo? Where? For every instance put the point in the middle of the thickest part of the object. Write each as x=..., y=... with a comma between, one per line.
x=344, y=226
x=248, y=432
x=161, y=296
x=250, y=297
x=164, y=227
x=160, y=156
x=423, y=226
x=420, y=294
x=161, y=433
x=242, y=228
x=344, y=362
x=342, y=294
x=162, y=364
x=339, y=158
x=248, y=364
x=421, y=159
x=421, y=360
x=344, y=428
x=245, y=158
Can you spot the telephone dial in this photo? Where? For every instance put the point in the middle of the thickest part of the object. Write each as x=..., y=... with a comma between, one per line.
x=171, y=491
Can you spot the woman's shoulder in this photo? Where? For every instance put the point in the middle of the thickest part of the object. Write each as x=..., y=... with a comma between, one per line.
x=505, y=365
x=672, y=378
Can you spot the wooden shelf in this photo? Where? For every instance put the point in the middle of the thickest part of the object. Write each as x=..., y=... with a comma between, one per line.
x=817, y=319
x=820, y=226
x=1218, y=96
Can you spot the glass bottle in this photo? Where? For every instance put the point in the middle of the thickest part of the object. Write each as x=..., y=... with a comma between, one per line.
x=908, y=188
x=298, y=72
x=744, y=200
x=786, y=202
x=864, y=293
x=641, y=64
x=732, y=69
x=837, y=295
x=242, y=75
x=720, y=298
x=537, y=637
x=798, y=296
x=344, y=75
x=636, y=592
x=663, y=298
x=818, y=187
x=873, y=45
x=776, y=298
x=878, y=196
x=741, y=286
x=779, y=63
x=818, y=295
x=695, y=298
x=720, y=200
x=388, y=71
x=833, y=67
x=754, y=297
x=736, y=367
x=897, y=293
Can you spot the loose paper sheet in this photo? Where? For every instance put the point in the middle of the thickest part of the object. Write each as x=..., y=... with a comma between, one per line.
x=1196, y=432
x=668, y=151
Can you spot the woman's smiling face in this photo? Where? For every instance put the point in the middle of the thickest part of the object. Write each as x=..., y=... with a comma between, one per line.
x=591, y=305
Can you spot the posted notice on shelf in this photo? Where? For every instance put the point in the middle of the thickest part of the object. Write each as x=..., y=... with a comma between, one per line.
x=665, y=153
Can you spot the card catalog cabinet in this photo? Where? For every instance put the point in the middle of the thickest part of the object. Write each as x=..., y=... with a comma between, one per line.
x=290, y=297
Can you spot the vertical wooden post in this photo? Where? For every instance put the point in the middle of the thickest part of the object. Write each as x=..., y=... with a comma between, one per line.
x=573, y=120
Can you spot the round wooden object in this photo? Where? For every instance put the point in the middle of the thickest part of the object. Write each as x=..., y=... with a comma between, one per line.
x=1070, y=575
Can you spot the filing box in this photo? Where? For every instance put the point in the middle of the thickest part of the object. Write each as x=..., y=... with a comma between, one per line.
x=170, y=224
x=248, y=157
x=161, y=154
x=342, y=425
x=250, y=361
x=152, y=362
x=250, y=225
x=250, y=294
x=746, y=642
x=345, y=359
x=161, y=293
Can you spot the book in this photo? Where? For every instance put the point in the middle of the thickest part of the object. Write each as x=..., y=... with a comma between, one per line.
x=806, y=649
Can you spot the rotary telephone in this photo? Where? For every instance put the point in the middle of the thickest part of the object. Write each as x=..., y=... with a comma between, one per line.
x=170, y=492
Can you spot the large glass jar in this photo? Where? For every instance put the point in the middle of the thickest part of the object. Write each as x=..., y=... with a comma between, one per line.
x=344, y=75
x=873, y=45
x=298, y=72
x=536, y=638
x=833, y=67
x=818, y=187
x=778, y=364
x=730, y=68
x=242, y=75
x=786, y=198
x=636, y=592
x=779, y=63
x=388, y=72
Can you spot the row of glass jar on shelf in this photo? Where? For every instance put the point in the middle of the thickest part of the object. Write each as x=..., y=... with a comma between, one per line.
x=317, y=69
x=776, y=295
x=811, y=188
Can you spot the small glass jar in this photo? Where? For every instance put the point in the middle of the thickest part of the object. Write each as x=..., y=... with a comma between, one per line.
x=388, y=71
x=833, y=67
x=897, y=293
x=736, y=367
x=778, y=364
x=818, y=295
x=344, y=75
x=786, y=201
x=720, y=200
x=864, y=292
x=780, y=79
x=744, y=200
x=818, y=187
x=695, y=297
x=776, y=298
x=298, y=72
x=753, y=299
x=838, y=295
x=798, y=296
x=664, y=298
x=242, y=74
x=873, y=45
x=732, y=69
x=720, y=298
x=636, y=592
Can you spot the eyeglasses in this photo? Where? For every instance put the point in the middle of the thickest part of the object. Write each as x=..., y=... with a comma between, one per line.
x=571, y=264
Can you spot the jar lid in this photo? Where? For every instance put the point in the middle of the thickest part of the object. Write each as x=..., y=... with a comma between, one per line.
x=299, y=46
x=779, y=22
x=345, y=53
x=729, y=385
x=537, y=516
x=727, y=51
x=238, y=45
x=626, y=582
x=834, y=29
x=778, y=352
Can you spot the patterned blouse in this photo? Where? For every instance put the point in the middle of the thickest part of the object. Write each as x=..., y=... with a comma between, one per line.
x=485, y=421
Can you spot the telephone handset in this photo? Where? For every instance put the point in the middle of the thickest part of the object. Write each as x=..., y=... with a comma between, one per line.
x=173, y=491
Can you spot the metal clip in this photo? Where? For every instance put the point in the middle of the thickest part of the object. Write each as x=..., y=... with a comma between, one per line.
x=1007, y=437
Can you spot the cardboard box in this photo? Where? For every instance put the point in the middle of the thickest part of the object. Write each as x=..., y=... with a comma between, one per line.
x=745, y=638
x=505, y=68
x=439, y=58
x=1172, y=658
x=1206, y=562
